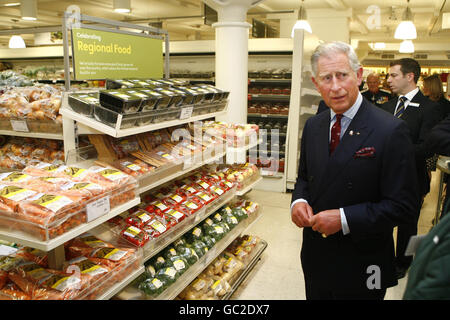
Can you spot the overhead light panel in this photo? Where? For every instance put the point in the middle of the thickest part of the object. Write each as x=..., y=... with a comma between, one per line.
x=407, y=46
x=446, y=20
x=12, y=4
x=379, y=45
x=16, y=42
x=122, y=6
x=406, y=30
x=302, y=22
x=28, y=9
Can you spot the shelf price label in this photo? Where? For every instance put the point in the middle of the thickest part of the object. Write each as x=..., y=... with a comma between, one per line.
x=19, y=125
x=186, y=112
x=97, y=208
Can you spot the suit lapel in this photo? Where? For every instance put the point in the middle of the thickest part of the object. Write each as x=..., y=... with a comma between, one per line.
x=320, y=145
x=353, y=139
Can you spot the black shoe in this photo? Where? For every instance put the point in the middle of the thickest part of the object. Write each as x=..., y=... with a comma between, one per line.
x=400, y=272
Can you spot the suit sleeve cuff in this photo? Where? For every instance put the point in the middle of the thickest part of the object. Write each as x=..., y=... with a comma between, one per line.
x=344, y=224
x=296, y=201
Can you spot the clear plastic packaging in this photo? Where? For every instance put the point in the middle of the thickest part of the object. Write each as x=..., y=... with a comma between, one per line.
x=84, y=103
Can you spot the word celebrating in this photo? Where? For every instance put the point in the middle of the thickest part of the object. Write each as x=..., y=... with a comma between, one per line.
x=101, y=48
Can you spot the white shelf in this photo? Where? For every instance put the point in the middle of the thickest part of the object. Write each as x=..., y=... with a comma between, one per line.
x=230, y=153
x=186, y=170
x=27, y=240
x=89, y=125
x=42, y=135
x=248, y=188
x=121, y=285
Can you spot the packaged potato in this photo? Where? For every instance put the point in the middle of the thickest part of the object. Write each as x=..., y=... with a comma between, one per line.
x=44, y=284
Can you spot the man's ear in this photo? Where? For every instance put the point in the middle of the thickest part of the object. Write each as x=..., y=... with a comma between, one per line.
x=315, y=82
x=359, y=75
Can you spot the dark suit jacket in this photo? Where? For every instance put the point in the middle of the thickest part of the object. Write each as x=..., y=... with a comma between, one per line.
x=438, y=141
x=420, y=120
x=322, y=107
x=377, y=193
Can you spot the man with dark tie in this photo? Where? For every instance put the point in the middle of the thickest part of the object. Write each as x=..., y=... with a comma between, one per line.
x=353, y=187
x=416, y=111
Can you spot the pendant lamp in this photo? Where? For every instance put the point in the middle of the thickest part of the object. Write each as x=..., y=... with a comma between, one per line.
x=301, y=23
x=122, y=6
x=407, y=46
x=16, y=42
x=406, y=30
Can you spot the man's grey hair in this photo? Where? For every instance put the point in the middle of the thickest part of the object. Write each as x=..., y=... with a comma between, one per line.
x=331, y=48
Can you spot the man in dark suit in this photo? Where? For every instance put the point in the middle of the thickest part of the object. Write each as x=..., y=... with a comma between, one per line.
x=438, y=142
x=322, y=107
x=353, y=187
x=374, y=93
x=417, y=111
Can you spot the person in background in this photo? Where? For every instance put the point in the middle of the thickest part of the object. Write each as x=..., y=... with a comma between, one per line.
x=354, y=185
x=438, y=142
x=416, y=111
x=428, y=278
x=432, y=88
x=374, y=93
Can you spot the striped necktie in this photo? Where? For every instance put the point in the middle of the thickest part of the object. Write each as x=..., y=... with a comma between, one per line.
x=401, y=107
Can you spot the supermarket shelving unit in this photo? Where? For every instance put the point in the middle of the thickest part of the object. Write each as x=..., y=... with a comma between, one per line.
x=304, y=100
x=75, y=124
x=132, y=293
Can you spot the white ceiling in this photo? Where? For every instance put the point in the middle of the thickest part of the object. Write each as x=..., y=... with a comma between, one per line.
x=184, y=18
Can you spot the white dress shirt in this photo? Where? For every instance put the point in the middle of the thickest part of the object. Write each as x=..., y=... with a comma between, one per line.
x=345, y=122
x=410, y=95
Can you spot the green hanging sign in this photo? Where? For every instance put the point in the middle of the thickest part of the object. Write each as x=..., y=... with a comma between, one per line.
x=103, y=54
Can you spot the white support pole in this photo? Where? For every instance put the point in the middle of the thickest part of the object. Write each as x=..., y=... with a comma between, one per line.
x=232, y=68
x=232, y=55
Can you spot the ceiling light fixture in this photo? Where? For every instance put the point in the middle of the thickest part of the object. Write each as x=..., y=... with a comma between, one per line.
x=16, y=42
x=12, y=4
x=406, y=30
x=379, y=45
x=446, y=20
x=122, y=6
x=301, y=23
x=407, y=46
x=28, y=9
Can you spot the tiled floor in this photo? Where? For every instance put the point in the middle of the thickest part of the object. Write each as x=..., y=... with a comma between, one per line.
x=278, y=275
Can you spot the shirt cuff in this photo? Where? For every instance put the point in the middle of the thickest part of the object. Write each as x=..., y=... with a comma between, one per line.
x=296, y=201
x=344, y=224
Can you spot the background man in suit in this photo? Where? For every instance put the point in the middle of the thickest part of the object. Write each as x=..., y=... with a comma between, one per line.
x=373, y=93
x=417, y=112
x=438, y=142
x=353, y=187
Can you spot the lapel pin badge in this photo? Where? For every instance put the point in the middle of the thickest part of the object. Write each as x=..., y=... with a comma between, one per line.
x=351, y=132
x=357, y=133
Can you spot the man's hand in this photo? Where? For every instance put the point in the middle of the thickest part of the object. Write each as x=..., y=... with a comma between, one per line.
x=301, y=214
x=327, y=222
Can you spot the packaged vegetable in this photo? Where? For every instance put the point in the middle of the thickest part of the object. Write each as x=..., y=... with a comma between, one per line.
x=139, y=218
x=188, y=254
x=136, y=236
x=179, y=263
x=153, y=286
x=169, y=274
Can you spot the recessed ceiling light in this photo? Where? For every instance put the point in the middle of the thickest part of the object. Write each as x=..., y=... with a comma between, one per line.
x=28, y=9
x=12, y=4
x=122, y=6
